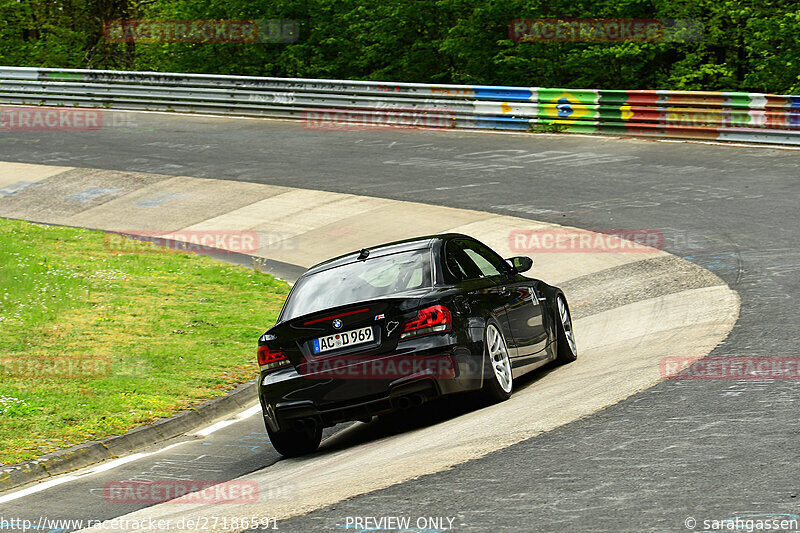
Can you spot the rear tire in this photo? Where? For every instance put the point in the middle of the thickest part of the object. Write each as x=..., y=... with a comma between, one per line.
x=497, y=381
x=567, y=351
x=294, y=443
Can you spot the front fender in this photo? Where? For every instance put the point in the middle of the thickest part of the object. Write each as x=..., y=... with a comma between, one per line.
x=548, y=295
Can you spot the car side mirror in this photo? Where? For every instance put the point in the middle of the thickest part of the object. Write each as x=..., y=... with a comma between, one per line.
x=521, y=263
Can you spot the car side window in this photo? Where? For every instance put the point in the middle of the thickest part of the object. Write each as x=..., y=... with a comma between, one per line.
x=489, y=263
x=458, y=266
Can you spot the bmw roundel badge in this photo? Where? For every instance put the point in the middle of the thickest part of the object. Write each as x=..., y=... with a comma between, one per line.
x=337, y=324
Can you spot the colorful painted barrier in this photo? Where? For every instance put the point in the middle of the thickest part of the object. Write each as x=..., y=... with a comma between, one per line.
x=719, y=116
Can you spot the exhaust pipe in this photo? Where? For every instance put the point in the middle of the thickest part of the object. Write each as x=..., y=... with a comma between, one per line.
x=403, y=402
x=407, y=402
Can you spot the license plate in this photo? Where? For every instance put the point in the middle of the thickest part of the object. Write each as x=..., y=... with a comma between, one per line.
x=340, y=340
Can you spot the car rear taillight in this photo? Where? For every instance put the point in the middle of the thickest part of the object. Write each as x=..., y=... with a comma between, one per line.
x=434, y=319
x=271, y=359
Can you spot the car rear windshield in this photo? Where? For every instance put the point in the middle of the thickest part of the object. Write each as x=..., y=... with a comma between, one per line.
x=359, y=281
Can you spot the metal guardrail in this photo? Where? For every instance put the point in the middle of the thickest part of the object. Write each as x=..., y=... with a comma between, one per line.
x=721, y=116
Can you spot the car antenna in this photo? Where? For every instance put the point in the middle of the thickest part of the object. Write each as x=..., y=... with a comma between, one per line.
x=363, y=254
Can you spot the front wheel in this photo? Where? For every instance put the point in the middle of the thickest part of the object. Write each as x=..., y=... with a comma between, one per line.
x=294, y=443
x=567, y=351
x=498, y=382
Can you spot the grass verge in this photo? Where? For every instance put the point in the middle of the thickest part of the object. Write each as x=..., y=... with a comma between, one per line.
x=94, y=342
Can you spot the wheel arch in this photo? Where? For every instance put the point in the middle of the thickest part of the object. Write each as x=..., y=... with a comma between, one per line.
x=548, y=296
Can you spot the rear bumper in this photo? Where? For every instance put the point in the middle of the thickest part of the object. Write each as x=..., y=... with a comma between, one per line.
x=288, y=397
x=286, y=414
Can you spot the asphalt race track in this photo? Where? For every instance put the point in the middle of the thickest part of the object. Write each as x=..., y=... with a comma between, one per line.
x=700, y=449
x=658, y=305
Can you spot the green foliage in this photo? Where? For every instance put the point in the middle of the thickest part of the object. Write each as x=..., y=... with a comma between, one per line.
x=547, y=127
x=745, y=46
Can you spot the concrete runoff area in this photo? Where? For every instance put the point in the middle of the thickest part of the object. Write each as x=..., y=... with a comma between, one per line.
x=171, y=204
x=620, y=342
x=14, y=173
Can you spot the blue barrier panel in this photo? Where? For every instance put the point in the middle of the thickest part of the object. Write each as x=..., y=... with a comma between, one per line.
x=794, y=110
x=502, y=123
x=488, y=92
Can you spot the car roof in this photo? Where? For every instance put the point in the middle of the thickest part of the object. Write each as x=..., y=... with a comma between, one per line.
x=416, y=243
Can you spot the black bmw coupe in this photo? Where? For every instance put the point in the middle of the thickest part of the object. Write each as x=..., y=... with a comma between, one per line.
x=396, y=325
